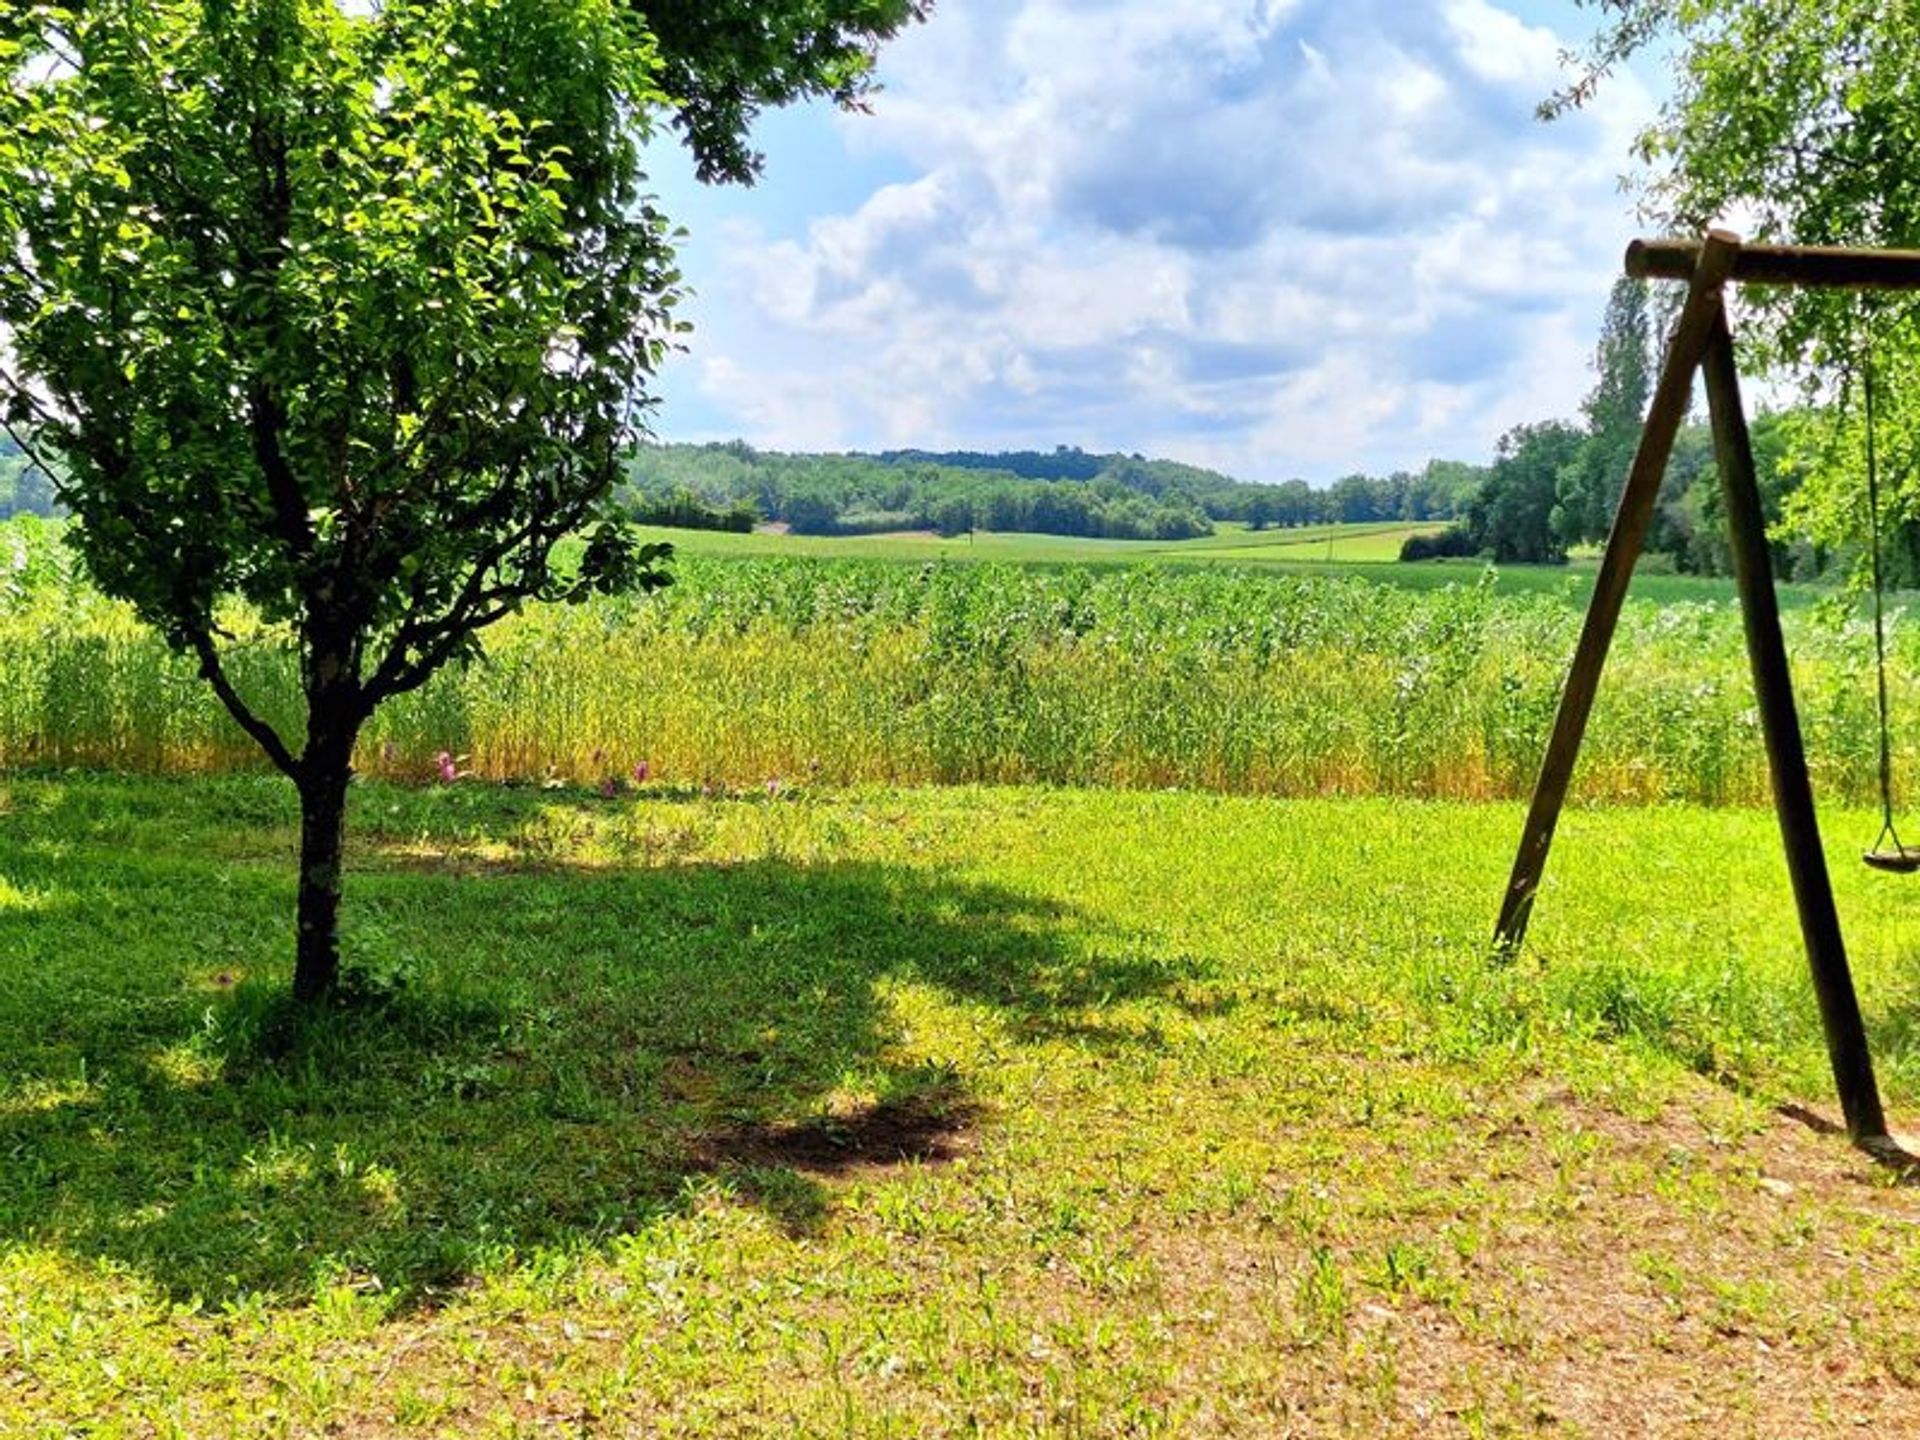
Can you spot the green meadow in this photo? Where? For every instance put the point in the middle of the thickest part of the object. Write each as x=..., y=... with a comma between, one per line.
x=931, y=1112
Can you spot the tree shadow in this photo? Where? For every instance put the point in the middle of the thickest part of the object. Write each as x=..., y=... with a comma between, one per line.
x=537, y=1059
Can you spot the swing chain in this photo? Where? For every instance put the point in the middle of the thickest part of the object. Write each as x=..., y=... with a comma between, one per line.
x=1881, y=853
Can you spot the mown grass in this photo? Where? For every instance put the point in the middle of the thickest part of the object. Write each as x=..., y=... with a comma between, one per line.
x=1367, y=543
x=969, y=1111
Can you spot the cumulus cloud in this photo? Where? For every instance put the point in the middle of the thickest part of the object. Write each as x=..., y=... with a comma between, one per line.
x=1278, y=236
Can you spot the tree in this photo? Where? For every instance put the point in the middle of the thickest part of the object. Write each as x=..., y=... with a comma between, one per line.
x=724, y=60
x=811, y=513
x=1350, y=499
x=953, y=516
x=345, y=315
x=1615, y=411
x=1511, y=518
x=1798, y=116
x=340, y=316
x=1793, y=112
x=1448, y=487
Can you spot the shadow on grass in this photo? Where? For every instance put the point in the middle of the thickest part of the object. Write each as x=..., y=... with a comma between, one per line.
x=540, y=1059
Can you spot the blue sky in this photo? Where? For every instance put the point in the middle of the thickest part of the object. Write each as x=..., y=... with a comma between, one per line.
x=1278, y=237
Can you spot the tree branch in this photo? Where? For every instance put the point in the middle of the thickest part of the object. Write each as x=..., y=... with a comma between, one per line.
x=283, y=489
x=264, y=735
x=412, y=676
x=477, y=606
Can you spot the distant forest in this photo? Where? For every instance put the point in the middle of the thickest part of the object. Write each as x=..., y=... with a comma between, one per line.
x=1065, y=491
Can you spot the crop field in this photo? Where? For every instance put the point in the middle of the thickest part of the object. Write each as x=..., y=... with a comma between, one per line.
x=1356, y=551
x=1328, y=552
x=846, y=1114
x=791, y=669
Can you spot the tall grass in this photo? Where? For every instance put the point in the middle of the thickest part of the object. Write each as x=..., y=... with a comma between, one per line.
x=840, y=671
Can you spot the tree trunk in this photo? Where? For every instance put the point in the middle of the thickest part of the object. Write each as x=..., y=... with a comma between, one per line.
x=323, y=822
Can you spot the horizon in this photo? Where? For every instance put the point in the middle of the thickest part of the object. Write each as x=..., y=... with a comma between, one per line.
x=930, y=456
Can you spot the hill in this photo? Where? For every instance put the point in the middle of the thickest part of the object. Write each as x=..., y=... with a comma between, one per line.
x=1067, y=491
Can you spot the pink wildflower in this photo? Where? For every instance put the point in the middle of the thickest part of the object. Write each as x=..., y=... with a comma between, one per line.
x=443, y=762
x=609, y=788
x=640, y=773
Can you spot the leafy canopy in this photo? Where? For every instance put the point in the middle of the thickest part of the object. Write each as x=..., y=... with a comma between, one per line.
x=1798, y=121
x=723, y=60
x=342, y=311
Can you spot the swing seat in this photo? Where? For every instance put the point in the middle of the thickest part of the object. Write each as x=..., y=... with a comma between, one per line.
x=1896, y=860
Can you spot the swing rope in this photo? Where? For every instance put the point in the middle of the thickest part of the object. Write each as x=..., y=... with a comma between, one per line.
x=1882, y=855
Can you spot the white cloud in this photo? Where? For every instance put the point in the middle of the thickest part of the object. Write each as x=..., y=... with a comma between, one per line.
x=1282, y=238
x=1317, y=66
x=1500, y=47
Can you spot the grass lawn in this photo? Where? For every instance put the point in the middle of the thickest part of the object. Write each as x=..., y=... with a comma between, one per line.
x=948, y=1112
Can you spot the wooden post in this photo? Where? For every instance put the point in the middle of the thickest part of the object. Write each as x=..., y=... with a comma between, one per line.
x=1664, y=416
x=1786, y=754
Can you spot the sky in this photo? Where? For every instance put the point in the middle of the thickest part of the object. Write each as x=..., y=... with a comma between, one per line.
x=1279, y=238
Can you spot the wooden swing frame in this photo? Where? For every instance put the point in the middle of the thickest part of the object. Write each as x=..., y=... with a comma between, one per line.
x=1702, y=341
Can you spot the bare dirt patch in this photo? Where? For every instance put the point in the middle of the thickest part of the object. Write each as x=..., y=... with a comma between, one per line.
x=921, y=1128
x=1717, y=1267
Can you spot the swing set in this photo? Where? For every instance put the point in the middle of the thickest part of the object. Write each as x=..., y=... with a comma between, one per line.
x=1702, y=342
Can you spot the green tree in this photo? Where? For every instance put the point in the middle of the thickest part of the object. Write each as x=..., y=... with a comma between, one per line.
x=341, y=316
x=1447, y=487
x=1615, y=412
x=1796, y=113
x=723, y=61
x=1800, y=117
x=346, y=316
x=1511, y=518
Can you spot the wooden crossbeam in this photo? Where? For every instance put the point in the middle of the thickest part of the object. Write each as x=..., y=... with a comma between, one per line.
x=1819, y=267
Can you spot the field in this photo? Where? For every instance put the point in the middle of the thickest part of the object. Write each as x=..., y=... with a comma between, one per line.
x=845, y=1114
x=786, y=669
x=815, y=1079
x=1372, y=543
x=1354, y=552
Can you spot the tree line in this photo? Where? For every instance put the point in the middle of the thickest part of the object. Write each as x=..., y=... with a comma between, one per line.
x=1067, y=491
